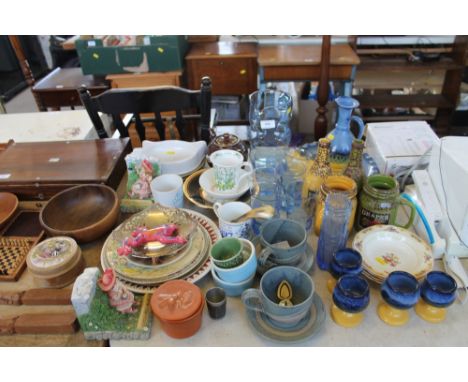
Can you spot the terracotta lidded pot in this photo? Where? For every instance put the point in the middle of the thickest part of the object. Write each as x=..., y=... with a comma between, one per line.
x=55, y=262
x=178, y=305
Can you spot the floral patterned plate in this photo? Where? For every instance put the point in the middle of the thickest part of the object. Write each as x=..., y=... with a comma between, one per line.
x=386, y=248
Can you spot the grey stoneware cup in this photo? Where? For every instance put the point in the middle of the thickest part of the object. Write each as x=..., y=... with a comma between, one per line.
x=216, y=302
x=284, y=241
x=265, y=298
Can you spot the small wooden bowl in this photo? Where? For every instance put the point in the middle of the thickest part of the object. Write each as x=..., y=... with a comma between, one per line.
x=8, y=206
x=83, y=212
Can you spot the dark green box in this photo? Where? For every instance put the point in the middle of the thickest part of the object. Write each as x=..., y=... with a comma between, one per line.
x=154, y=54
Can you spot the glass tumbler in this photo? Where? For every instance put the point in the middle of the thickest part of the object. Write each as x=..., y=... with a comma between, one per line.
x=334, y=230
x=265, y=190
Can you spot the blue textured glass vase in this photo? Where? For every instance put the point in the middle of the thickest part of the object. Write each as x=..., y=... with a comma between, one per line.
x=334, y=229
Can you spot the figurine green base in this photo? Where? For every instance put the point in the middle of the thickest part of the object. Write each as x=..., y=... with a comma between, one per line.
x=105, y=323
x=133, y=206
x=100, y=321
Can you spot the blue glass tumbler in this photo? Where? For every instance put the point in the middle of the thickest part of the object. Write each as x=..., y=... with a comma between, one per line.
x=334, y=229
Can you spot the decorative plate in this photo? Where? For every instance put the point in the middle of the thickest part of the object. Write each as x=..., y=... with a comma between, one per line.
x=387, y=248
x=209, y=229
x=195, y=194
x=305, y=329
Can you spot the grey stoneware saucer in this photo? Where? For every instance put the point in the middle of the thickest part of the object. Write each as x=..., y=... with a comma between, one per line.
x=304, y=330
x=305, y=262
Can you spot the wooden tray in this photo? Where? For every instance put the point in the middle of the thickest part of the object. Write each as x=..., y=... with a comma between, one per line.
x=16, y=240
x=39, y=170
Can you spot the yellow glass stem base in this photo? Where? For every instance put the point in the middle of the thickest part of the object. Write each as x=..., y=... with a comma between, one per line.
x=430, y=313
x=392, y=316
x=331, y=283
x=348, y=320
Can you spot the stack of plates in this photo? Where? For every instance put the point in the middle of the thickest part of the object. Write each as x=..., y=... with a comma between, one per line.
x=386, y=248
x=190, y=262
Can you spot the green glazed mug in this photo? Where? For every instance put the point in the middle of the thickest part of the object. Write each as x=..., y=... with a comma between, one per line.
x=379, y=201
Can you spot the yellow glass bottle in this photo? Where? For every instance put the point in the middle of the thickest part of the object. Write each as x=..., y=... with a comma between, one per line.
x=335, y=183
x=318, y=171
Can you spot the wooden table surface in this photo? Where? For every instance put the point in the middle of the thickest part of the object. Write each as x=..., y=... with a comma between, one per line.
x=91, y=254
x=69, y=79
x=302, y=62
x=220, y=50
x=294, y=55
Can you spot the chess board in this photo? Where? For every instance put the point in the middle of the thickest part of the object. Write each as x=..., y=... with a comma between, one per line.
x=16, y=240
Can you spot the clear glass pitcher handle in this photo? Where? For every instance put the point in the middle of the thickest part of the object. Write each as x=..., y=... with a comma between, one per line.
x=360, y=123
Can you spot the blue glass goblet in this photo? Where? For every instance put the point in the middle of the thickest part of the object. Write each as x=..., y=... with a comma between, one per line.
x=400, y=292
x=346, y=261
x=438, y=291
x=350, y=297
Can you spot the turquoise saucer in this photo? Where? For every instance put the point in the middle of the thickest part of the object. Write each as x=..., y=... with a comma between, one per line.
x=305, y=329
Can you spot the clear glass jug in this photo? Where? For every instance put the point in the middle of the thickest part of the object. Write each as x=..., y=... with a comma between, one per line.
x=269, y=116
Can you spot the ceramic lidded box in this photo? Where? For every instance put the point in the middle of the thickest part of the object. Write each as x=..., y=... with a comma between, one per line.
x=55, y=262
x=178, y=305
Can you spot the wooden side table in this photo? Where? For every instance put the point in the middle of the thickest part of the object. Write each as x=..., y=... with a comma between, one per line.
x=59, y=88
x=232, y=67
x=138, y=80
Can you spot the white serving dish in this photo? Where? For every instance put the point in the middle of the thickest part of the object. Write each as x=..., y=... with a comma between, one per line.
x=207, y=183
x=386, y=248
x=176, y=157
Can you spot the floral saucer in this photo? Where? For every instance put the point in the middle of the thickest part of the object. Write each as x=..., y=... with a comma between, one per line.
x=207, y=183
x=309, y=326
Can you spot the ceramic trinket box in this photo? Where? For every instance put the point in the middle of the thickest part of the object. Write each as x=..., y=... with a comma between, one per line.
x=55, y=262
x=178, y=305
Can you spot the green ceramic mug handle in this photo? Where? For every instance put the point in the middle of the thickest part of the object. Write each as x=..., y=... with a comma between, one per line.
x=393, y=216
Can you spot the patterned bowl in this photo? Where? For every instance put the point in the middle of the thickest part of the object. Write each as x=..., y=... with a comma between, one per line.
x=400, y=290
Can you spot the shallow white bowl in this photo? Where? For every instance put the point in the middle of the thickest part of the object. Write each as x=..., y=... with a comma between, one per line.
x=176, y=157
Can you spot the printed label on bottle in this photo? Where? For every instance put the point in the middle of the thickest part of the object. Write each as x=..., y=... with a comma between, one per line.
x=268, y=124
x=368, y=218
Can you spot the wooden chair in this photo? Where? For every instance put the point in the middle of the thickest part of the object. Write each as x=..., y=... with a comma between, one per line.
x=118, y=102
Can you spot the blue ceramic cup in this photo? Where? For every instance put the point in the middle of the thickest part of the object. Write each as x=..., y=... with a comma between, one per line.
x=400, y=290
x=265, y=298
x=243, y=271
x=346, y=261
x=351, y=294
x=284, y=241
x=439, y=289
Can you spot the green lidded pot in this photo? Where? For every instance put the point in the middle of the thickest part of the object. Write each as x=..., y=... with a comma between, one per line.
x=379, y=201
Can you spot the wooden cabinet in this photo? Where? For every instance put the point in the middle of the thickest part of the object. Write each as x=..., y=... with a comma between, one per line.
x=139, y=80
x=232, y=67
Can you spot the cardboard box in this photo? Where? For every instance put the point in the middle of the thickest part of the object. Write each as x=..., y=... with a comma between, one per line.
x=150, y=54
x=396, y=146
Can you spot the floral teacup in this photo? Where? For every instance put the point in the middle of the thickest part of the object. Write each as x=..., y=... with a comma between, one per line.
x=228, y=172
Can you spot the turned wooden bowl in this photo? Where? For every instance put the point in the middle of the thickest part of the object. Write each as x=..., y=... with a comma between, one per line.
x=84, y=212
x=8, y=206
